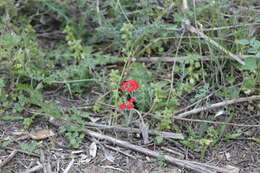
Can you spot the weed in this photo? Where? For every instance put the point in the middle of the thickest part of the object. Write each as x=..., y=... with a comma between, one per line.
x=30, y=147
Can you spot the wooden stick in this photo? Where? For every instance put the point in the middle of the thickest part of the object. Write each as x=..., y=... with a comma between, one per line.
x=216, y=105
x=217, y=122
x=168, y=135
x=22, y=151
x=183, y=58
x=34, y=169
x=42, y=159
x=122, y=152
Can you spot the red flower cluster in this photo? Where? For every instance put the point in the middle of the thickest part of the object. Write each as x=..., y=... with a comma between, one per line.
x=130, y=104
x=130, y=85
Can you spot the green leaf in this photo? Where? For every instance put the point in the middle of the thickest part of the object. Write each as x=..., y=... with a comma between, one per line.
x=250, y=64
x=244, y=42
x=159, y=139
x=32, y=147
x=10, y=117
x=249, y=82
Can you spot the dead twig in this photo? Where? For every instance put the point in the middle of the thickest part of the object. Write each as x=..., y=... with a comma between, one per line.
x=216, y=105
x=143, y=128
x=219, y=28
x=183, y=58
x=113, y=168
x=34, y=169
x=174, y=152
x=216, y=122
x=3, y=163
x=42, y=159
x=67, y=170
x=118, y=150
x=22, y=151
x=48, y=165
x=166, y=135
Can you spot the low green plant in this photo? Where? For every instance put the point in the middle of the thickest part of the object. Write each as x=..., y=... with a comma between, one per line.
x=251, y=74
x=164, y=120
x=161, y=160
x=24, y=98
x=20, y=56
x=7, y=142
x=159, y=140
x=207, y=136
x=192, y=71
x=74, y=133
x=31, y=147
x=3, y=96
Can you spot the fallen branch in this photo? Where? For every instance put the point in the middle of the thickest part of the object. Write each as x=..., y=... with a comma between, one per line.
x=217, y=122
x=119, y=151
x=22, y=151
x=34, y=169
x=218, y=28
x=183, y=58
x=216, y=105
x=166, y=135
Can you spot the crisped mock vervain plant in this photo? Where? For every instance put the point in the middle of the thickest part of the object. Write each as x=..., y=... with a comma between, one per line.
x=130, y=86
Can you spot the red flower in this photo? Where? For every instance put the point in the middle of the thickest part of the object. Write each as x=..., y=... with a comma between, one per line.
x=130, y=89
x=130, y=106
x=130, y=85
x=122, y=106
x=132, y=100
x=124, y=88
x=125, y=83
x=132, y=82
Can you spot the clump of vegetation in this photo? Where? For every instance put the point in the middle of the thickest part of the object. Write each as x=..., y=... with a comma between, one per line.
x=70, y=45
